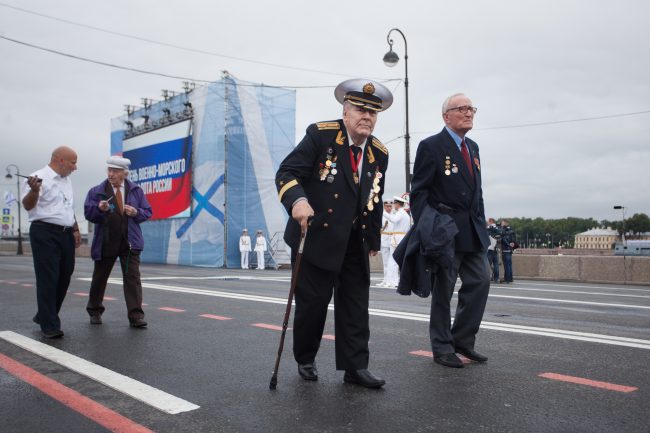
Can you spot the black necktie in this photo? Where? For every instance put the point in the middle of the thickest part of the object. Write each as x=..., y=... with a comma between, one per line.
x=356, y=150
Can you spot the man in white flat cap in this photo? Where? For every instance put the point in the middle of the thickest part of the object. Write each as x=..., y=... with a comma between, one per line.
x=333, y=181
x=117, y=206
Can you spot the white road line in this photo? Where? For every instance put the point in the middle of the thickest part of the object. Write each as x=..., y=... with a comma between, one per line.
x=131, y=387
x=568, y=301
x=549, y=332
x=581, y=286
x=572, y=291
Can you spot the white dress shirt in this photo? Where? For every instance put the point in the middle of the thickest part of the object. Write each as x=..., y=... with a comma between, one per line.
x=55, y=203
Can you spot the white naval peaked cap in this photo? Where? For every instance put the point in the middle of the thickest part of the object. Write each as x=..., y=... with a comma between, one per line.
x=364, y=93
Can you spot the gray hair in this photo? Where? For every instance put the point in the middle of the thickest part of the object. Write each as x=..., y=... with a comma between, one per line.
x=445, y=105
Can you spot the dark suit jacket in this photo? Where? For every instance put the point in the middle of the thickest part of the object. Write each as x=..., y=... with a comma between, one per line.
x=337, y=204
x=449, y=188
x=428, y=246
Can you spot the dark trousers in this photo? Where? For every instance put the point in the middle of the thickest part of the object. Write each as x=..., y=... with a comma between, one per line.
x=130, y=264
x=351, y=288
x=54, y=255
x=506, y=256
x=493, y=259
x=472, y=297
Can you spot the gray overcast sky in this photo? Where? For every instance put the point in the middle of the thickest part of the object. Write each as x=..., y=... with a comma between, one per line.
x=520, y=62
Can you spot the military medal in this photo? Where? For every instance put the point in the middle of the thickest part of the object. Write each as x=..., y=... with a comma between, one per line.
x=448, y=169
x=374, y=191
x=330, y=179
x=454, y=169
x=334, y=171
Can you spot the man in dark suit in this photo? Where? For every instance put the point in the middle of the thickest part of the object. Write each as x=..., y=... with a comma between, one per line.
x=333, y=182
x=447, y=176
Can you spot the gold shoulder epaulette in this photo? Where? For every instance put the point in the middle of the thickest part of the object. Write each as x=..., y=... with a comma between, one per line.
x=328, y=125
x=379, y=145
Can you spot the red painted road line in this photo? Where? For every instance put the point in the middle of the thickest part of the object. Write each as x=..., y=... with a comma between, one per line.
x=430, y=355
x=109, y=298
x=26, y=285
x=588, y=382
x=98, y=413
x=267, y=326
x=422, y=353
x=80, y=294
x=12, y=282
x=328, y=337
x=212, y=316
x=173, y=310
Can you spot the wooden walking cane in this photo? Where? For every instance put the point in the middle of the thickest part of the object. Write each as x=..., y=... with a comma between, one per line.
x=287, y=313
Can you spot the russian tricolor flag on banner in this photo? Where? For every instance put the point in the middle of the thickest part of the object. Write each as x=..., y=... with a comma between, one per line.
x=161, y=164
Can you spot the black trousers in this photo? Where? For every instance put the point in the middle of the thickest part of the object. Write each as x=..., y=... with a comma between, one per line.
x=130, y=264
x=472, y=297
x=314, y=290
x=54, y=255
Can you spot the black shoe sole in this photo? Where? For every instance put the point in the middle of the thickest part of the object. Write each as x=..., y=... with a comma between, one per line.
x=366, y=385
x=448, y=364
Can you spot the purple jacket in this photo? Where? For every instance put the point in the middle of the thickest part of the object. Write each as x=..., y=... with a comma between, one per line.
x=135, y=198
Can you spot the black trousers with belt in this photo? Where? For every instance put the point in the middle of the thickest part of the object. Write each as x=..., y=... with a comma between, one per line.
x=350, y=287
x=132, y=285
x=53, y=252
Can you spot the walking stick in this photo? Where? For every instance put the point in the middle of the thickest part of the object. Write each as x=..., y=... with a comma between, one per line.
x=285, y=323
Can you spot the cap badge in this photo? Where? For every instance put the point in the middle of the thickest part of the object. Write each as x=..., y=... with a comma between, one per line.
x=369, y=88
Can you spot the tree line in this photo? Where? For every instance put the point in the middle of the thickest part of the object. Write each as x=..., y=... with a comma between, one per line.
x=553, y=233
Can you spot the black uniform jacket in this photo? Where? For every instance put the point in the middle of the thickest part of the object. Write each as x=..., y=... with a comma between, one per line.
x=441, y=179
x=320, y=169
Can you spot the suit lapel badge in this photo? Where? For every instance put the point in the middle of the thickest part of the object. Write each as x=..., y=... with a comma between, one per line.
x=371, y=156
x=477, y=163
x=340, y=138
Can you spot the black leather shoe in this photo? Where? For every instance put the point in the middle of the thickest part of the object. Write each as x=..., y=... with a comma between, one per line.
x=308, y=371
x=95, y=319
x=52, y=334
x=138, y=323
x=35, y=319
x=471, y=354
x=364, y=378
x=448, y=360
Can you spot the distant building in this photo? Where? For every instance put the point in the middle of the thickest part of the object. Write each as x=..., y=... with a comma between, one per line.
x=633, y=248
x=597, y=239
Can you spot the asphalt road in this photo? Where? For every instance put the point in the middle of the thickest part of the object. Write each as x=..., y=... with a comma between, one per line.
x=564, y=357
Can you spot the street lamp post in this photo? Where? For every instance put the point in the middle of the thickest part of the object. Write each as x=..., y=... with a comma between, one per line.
x=617, y=207
x=390, y=59
x=19, y=252
x=548, y=242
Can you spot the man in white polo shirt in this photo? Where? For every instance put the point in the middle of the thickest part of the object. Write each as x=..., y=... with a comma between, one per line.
x=53, y=235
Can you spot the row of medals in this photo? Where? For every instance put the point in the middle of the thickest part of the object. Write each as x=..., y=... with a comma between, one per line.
x=449, y=168
x=328, y=169
x=374, y=192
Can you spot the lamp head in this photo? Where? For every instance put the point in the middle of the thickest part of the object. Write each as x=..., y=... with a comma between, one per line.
x=391, y=58
x=618, y=207
x=8, y=176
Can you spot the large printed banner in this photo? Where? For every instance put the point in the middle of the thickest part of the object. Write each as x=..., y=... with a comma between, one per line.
x=161, y=163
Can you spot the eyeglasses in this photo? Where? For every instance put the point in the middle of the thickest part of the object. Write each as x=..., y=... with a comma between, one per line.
x=463, y=109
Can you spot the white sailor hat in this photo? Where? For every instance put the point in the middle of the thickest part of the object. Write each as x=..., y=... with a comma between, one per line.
x=400, y=199
x=118, y=162
x=245, y=230
x=364, y=93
